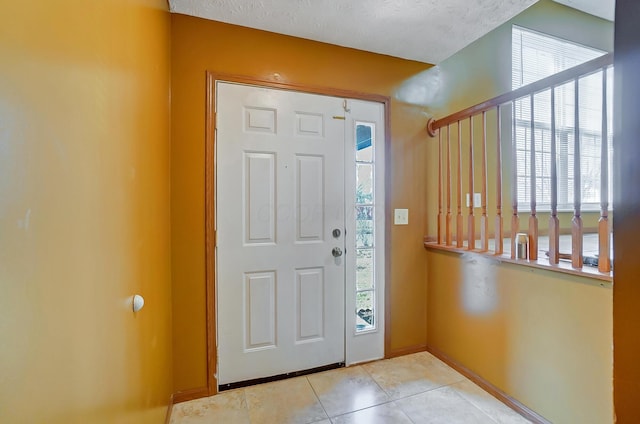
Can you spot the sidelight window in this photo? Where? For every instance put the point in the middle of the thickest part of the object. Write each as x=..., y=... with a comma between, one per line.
x=365, y=203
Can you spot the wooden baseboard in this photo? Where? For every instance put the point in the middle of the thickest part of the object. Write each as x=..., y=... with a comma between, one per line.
x=167, y=419
x=191, y=394
x=490, y=388
x=406, y=351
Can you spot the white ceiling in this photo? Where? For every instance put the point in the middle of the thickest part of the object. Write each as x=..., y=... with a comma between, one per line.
x=423, y=30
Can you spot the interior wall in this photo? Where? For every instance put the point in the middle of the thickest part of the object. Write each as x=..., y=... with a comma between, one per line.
x=200, y=45
x=543, y=338
x=626, y=290
x=84, y=211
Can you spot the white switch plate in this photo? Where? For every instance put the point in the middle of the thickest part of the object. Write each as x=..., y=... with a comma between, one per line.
x=477, y=200
x=401, y=216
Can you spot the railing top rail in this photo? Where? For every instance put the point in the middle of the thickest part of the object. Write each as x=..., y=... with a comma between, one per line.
x=535, y=87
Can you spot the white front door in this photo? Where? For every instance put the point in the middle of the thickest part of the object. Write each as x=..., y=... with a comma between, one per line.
x=279, y=198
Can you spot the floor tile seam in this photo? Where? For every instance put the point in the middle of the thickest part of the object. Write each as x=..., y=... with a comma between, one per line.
x=462, y=380
x=313, y=389
x=426, y=390
x=246, y=404
x=457, y=394
x=363, y=408
x=374, y=406
x=406, y=414
x=475, y=406
x=377, y=383
x=360, y=409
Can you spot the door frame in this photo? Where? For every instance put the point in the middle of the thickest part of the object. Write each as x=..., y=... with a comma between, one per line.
x=210, y=198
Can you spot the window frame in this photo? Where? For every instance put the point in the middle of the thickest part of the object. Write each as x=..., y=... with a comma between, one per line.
x=521, y=121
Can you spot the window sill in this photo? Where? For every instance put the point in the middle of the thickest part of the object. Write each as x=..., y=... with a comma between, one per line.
x=542, y=263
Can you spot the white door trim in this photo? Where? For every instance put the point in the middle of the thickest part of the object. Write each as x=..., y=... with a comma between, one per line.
x=366, y=344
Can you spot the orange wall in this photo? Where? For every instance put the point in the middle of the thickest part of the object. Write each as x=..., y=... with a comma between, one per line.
x=200, y=45
x=84, y=211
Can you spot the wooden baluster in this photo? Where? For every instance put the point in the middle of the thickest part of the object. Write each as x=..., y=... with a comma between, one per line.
x=499, y=248
x=533, y=219
x=604, y=260
x=576, y=222
x=471, y=235
x=448, y=231
x=459, y=218
x=484, y=219
x=440, y=186
x=515, y=220
x=554, y=223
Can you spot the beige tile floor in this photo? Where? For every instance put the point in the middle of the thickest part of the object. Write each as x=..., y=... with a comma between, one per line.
x=412, y=389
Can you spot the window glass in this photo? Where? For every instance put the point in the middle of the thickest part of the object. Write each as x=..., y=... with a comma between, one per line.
x=536, y=56
x=365, y=227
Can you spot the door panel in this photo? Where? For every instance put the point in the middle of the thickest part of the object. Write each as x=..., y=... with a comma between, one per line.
x=260, y=309
x=309, y=198
x=310, y=304
x=279, y=196
x=259, y=188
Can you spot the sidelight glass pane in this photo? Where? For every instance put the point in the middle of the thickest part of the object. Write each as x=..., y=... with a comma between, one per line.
x=364, y=184
x=364, y=213
x=365, y=226
x=364, y=142
x=364, y=233
x=364, y=311
x=364, y=269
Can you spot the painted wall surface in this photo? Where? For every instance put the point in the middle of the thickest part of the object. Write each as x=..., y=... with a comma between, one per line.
x=84, y=211
x=200, y=45
x=542, y=337
x=626, y=290
x=545, y=340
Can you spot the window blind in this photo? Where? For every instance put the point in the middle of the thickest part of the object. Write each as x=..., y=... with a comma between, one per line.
x=536, y=56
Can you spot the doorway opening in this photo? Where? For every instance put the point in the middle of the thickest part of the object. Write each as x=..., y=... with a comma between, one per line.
x=296, y=222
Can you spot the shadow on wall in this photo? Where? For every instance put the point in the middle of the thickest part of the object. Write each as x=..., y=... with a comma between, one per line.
x=424, y=89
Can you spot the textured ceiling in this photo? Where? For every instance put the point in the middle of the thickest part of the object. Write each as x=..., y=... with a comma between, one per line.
x=423, y=30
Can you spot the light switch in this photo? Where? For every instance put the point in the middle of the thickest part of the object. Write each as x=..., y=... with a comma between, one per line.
x=401, y=216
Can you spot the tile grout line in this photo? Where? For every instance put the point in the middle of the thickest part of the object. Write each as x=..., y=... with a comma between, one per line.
x=391, y=400
x=474, y=405
x=462, y=379
x=318, y=398
x=246, y=403
x=494, y=398
x=376, y=381
x=421, y=391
